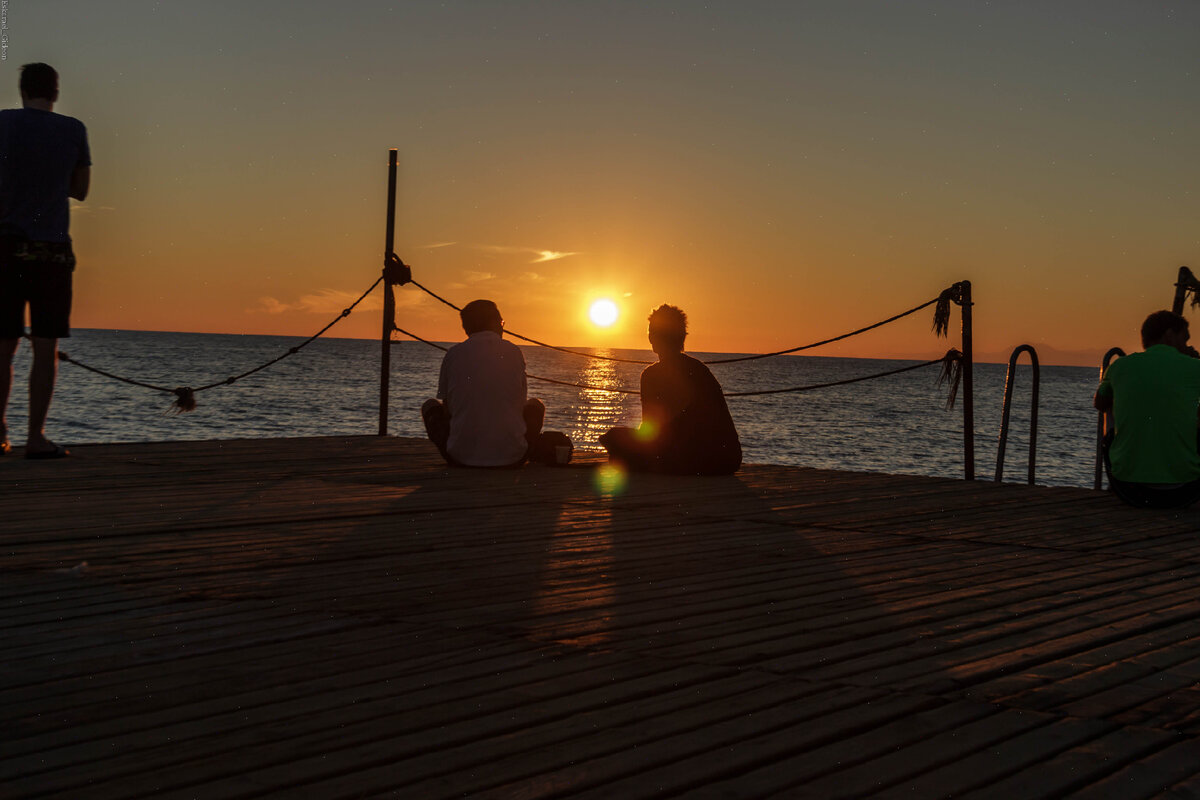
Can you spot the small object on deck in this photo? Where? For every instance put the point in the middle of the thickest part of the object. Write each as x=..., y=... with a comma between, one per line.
x=552, y=448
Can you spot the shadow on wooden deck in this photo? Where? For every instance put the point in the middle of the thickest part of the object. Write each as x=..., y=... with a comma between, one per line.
x=346, y=617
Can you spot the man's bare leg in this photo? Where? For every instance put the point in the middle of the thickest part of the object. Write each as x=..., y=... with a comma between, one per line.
x=8, y=348
x=41, y=389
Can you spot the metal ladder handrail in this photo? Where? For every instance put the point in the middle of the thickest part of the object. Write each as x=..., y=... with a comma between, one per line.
x=1008, y=393
x=1100, y=416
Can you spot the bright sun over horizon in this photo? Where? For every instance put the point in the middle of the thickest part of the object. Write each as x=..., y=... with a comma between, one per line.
x=603, y=312
x=784, y=172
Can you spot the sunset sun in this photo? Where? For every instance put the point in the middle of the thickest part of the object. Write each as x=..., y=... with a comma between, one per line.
x=603, y=313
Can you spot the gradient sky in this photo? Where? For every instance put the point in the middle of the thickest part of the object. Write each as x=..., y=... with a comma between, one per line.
x=784, y=171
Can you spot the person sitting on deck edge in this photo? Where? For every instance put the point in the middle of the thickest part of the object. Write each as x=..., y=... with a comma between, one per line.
x=1154, y=396
x=484, y=418
x=686, y=427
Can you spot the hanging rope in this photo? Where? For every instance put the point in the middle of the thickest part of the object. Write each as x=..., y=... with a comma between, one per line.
x=810, y=387
x=826, y=341
x=185, y=396
x=527, y=375
x=535, y=341
x=951, y=371
x=940, y=323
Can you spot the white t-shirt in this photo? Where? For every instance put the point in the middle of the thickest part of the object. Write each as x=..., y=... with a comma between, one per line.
x=482, y=383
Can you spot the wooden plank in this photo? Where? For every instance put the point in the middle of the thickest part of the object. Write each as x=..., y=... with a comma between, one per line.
x=1001, y=761
x=348, y=617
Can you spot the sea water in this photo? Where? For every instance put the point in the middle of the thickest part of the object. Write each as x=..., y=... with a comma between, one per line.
x=896, y=424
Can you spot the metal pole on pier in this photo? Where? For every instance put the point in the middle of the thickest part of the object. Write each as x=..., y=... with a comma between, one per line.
x=389, y=299
x=1010, y=378
x=1103, y=419
x=967, y=385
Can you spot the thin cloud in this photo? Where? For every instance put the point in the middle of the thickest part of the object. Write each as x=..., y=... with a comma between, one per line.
x=550, y=255
x=541, y=255
x=323, y=301
x=436, y=245
x=472, y=276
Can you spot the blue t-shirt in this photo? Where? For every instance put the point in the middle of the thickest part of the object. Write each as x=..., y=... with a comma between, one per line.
x=39, y=151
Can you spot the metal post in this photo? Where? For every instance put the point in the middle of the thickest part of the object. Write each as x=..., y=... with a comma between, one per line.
x=1102, y=417
x=968, y=384
x=389, y=299
x=1009, y=381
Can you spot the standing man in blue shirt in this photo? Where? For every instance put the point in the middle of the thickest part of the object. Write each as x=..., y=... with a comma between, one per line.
x=44, y=160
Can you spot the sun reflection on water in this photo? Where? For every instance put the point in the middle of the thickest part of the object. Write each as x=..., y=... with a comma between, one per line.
x=597, y=410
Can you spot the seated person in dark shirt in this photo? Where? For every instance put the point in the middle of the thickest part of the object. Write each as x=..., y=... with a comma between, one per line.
x=686, y=428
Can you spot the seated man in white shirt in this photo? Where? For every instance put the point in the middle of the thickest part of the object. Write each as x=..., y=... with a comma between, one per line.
x=483, y=418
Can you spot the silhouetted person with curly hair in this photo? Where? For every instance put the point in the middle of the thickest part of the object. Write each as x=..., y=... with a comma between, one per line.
x=686, y=427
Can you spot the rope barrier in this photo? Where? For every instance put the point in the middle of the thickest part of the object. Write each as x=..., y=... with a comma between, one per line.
x=527, y=374
x=185, y=396
x=826, y=341
x=939, y=323
x=514, y=335
x=810, y=387
x=951, y=372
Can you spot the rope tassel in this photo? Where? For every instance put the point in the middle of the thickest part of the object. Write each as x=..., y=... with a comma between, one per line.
x=941, y=314
x=185, y=400
x=1191, y=286
x=952, y=367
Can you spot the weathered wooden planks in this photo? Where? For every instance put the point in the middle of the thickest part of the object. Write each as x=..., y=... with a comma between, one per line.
x=346, y=617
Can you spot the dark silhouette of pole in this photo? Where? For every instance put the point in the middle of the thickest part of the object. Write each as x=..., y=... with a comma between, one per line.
x=389, y=299
x=1102, y=417
x=968, y=384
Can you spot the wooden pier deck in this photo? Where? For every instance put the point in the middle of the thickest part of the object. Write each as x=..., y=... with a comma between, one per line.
x=346, y=618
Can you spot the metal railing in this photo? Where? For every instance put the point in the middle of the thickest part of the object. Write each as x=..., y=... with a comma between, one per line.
x=1009, y=380
x=1101, y=417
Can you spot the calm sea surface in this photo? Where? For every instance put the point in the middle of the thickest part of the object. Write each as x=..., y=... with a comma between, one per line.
x=895, y=424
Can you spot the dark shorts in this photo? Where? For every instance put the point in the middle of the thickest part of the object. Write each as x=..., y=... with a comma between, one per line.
x=1142, y=495
x=38, y=276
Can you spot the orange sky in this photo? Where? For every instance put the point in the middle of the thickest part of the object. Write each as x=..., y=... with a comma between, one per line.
x=783, y=171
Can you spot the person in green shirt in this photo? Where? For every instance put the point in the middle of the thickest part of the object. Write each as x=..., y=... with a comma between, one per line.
x=1154, y=397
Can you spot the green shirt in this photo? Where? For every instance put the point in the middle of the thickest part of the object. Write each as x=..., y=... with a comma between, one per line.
x=1155, y=395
